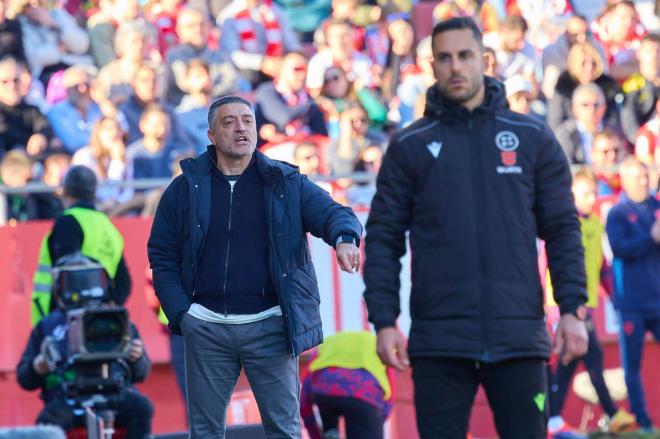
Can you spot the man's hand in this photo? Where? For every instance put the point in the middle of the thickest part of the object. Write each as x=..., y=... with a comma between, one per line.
x=40, y=365
x=572, y=339
x=655, y=231
x=36, y=144
x=348, y=256
x=392, y=349
x=136, y=350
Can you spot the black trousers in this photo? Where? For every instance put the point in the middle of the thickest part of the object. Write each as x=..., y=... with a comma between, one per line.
x=133, y=412
x=362, y=420
x=445, y=389
x=593, y=362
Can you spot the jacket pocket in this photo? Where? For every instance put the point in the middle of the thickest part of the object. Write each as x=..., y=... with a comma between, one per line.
x=304, y=299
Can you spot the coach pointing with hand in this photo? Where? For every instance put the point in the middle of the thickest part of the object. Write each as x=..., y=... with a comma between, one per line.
x=233, y=272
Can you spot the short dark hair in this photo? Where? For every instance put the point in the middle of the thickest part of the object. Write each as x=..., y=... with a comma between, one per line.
x=458, y=23
x=80, y=183
x=229, y=99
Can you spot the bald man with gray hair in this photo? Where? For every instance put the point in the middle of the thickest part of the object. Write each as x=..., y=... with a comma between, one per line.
x=576, y=134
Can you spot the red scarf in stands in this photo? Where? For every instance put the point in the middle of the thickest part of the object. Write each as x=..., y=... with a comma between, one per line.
x=248, y=34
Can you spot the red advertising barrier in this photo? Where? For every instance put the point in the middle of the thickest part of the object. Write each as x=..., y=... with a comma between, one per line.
x=341, y=309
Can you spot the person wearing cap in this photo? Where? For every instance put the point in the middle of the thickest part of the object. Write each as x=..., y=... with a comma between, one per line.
x=73, y=118
x=80, y=228
x=520, y=96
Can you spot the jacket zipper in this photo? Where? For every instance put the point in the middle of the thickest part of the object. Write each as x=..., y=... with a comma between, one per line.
x=484, y=298
x=224, y=286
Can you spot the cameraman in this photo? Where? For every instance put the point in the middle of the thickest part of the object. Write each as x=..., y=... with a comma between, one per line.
x=44, y=364
x=81, y=228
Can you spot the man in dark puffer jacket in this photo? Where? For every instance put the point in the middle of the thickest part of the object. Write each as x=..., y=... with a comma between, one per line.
x=233, y=272
x=474, y=184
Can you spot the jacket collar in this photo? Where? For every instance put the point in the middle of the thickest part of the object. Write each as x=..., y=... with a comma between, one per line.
x=438, y=105
x=272, y=171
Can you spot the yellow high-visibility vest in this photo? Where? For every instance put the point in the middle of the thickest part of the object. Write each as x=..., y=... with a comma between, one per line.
x=101, y=242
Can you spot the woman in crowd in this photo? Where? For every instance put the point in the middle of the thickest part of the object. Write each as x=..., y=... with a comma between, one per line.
x=585, y=65
x=106, y=156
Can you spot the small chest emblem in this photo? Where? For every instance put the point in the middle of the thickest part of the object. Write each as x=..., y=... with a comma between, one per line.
x=434, y=148
x=507, y=142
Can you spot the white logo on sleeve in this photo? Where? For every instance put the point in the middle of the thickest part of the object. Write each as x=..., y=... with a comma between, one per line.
x=434, y=148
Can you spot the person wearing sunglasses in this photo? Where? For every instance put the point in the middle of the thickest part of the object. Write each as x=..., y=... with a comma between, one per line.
x=576, y=135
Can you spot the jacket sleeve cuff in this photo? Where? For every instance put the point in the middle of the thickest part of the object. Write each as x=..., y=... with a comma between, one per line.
x=384, y=324
x=175, y=325
x=347, y=237
x=571, y=306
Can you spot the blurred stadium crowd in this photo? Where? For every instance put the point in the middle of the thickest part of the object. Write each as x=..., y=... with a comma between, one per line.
x=123, y=86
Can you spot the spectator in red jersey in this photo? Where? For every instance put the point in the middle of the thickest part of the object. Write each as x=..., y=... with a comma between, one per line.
x=256, y=34
x=163, y=14
x=620, y=31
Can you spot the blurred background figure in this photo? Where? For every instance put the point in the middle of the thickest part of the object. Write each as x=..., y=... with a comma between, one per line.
x=340, y=52
x=52, y=38
x=73, y=118
x=607, y=151
x=147, y=90
x=585, y=192
x=633, y=230
x=413, y=86
x=102, y=27
x=131, y=46
x=11, y=35
x=284, y=107
x=256, y=34
x=555, y=55
x=193, y=109
x=584, y=65
x=515, y=55
x=619, y=29
x=519, y=94
x=347, y=380
x=193, y=31
x=306, y=157
x=642, y=88
x=21, y=125
x=575, y=135
x=355, y=135
x=106, y=156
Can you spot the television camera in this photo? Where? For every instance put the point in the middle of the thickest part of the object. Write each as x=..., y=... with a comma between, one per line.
x=98, y=339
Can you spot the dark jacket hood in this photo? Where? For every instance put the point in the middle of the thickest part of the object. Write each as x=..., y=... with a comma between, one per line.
x=438, y=105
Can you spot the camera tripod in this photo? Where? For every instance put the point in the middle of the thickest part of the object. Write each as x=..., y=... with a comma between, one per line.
x=100, y=422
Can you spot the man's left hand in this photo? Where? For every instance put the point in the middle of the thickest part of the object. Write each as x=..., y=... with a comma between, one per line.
x=572, y=338
x=136, y=350
x=348, y=256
